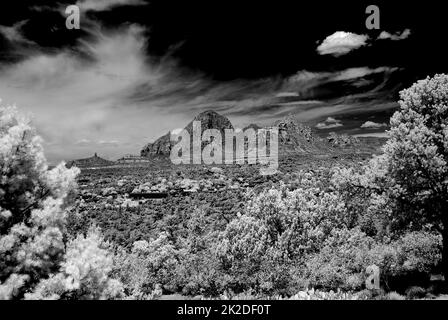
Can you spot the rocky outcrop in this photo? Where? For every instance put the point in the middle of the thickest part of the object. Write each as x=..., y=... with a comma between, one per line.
x=295, y=137
x=208, y=119
x=161, y=147
x=91, y=162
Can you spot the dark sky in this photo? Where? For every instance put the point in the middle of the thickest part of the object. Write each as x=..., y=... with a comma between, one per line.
x=251, y=39
x=158, y=63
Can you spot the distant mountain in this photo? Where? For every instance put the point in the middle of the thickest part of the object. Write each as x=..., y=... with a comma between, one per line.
x=294, y=137
x=208, y=119
x=91, y=162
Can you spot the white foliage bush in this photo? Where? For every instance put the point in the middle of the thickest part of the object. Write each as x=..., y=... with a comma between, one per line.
x=35, y=259
x=408, y=183
x=244, y=241
x=149, y=267
x=265, y=248
x=298, y=221
x=406, y=188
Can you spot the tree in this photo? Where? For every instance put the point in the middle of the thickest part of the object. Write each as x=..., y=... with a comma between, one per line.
x=36, y=258
x=416, y=157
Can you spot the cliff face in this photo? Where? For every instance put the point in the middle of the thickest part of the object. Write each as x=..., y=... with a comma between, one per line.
x=161, y=147
x=208, y=119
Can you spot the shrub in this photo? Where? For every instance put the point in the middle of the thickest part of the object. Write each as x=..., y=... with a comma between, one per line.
x=148, y=265
x=394, y=296
x=415, y=293
x=406, y=187
x=420, y=251
x=342, y=261
x=298, y=221
x=198, y=270
x=416, y=158
x=35, y=261
x=264, y=248
x=347, y=253
x=241, y=250
x=84, y=273
x=363, y=193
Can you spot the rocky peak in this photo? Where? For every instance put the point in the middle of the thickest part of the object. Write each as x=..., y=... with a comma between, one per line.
x=209, y=120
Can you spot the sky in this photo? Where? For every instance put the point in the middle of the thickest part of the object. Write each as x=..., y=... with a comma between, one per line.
x=136, y=69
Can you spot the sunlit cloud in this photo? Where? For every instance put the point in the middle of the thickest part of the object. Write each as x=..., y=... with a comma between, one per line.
x=396, y=36
x=341, y=43
x=373, y=125
x=329, y=123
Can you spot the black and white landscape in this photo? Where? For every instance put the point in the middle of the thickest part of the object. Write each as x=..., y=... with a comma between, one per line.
x=351, y=101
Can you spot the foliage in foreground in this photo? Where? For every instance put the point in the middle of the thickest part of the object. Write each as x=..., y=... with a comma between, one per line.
x=37, y=261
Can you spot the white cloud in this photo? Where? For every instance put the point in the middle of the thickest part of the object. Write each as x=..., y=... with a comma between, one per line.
x=375, y=135
x=355, y=73
x=14, y=33
x=341, y=43
x=322, y=125
x=73, y=99
x=329, y=123
x=104, y=5
x=109, y=143
x=396, y=36
x=373, y=125
x=305, y=82
x=286, y=95
x=332, y=120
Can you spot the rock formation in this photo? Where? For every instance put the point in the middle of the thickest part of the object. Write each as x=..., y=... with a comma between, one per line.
x=91, y=162
x=208, y=119
x=294, y=137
